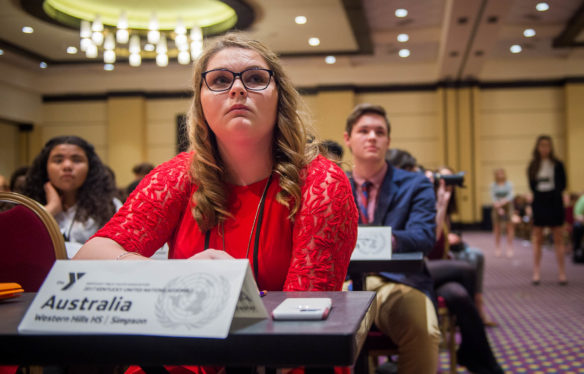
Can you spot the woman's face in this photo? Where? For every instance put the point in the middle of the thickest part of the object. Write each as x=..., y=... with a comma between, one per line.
x=238, y=115
x=500, y=175
x=67, y=167
x=544, y=147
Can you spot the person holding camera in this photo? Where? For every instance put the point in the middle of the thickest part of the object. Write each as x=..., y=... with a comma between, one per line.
x=454, y=280
x=547, y=180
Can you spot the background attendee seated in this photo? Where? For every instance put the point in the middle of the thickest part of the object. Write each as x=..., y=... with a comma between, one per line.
x=455, y=281
x=578, y=230
x=140, y=171
x=387, y=196
x=18, y=179
x=69, y=179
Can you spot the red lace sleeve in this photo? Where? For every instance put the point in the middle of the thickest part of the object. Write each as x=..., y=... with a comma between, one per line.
x=325, y=230
x=150, y=215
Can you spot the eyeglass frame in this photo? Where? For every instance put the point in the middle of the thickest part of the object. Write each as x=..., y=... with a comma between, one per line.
x=235, y=75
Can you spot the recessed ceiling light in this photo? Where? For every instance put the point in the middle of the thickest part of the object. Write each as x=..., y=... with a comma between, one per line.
x=27, y=30
x=528, y=33
x=401, y=13
x=542, y=7
x=301, y=20
x=404, y=53
x=314, y=41
x=1, y=52
x=108, y=67
x=71, y=50
x=149, y=47
x=515, y=48
x=330, y=60
x=402, y=38
x=43, y=65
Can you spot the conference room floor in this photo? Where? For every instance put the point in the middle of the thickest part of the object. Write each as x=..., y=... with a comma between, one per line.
x=541, y=328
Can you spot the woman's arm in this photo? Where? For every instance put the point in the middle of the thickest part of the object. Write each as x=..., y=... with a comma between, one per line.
x=105, y=249
x=325, y=230
x=442, y=199
x=150, y=215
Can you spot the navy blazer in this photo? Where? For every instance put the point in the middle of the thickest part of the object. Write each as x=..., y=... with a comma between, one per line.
x=406, y=202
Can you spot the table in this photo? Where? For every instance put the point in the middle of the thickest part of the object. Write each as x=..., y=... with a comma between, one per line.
x=399, y=263
x=335, y=341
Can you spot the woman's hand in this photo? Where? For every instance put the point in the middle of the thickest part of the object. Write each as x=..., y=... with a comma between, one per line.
x=54, y=204
x=212, y=254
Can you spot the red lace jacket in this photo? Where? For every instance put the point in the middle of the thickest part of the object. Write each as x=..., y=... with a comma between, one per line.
x=310, y=252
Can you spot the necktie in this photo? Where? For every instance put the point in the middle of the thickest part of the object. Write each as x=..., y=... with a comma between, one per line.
x=364, y=201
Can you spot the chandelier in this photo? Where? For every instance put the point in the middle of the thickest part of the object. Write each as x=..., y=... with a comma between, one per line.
x=138, y=30
x=125, y=42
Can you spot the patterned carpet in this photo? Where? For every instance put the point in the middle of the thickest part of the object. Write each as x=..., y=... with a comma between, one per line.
x=541, y=328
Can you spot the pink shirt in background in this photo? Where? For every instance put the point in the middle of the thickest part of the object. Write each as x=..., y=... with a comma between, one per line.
x=376, y=181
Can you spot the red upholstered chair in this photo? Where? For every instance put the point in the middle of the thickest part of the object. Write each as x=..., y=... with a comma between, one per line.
x=30, y=241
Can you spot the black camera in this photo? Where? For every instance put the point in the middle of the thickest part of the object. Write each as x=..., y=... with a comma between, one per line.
x=450, y=179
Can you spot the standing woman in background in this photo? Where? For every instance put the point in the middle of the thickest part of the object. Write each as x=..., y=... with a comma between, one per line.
x=547, y=180
x=70, y=180
x=502, y=196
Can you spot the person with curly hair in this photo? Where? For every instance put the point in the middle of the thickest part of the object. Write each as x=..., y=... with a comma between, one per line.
x=253, y=186
x=70, y=180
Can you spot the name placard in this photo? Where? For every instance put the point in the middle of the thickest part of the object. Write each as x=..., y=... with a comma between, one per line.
x=373, y=243
x=188, y=298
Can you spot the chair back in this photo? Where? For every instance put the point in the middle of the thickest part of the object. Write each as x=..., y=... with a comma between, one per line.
x=30, y=241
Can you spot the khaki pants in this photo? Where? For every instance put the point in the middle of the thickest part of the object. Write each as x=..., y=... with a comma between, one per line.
x=408, y=317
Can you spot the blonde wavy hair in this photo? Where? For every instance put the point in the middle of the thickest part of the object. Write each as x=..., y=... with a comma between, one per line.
x=294, y=143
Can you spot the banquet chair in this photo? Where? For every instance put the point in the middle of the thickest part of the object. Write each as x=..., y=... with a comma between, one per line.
x=30, y=241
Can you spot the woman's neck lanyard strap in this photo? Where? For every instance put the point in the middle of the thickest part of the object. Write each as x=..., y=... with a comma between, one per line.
x=257, y=225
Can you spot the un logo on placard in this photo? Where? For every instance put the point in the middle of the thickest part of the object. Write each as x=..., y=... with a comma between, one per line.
x=192, y=300
x=371, y=244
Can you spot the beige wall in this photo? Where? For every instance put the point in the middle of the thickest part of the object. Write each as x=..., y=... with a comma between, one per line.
x=8, y=151
x=470, y=129
x=508, y=123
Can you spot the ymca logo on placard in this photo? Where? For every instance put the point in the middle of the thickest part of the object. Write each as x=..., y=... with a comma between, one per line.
x=73, y=278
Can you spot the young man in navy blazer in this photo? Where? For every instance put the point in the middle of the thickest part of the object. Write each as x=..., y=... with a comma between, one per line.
x=386, y=196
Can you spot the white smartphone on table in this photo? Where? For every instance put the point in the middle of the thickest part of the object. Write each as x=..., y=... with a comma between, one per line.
x=298, y=308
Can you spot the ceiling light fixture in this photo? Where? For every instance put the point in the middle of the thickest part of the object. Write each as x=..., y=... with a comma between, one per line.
x=43, y=65
x=301, y=20
x=1, y=52
x=402, y=38
x=157, y=30
x=330, y=60
x=27, y=30
x=71, y=50
x=108, y=67
x=401, y=13
x=314, y=42
x=404, y=53
x=529, y=33
x=515, y=48
x=542, y=7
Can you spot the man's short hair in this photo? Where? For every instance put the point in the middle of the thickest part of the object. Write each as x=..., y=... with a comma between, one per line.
x=143, y=168
x=363, y=109
x=333, y=148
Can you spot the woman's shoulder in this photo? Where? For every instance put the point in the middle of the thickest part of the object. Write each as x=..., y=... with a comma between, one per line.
x=321, y=168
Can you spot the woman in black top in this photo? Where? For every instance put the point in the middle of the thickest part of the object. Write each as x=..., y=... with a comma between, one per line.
x=547, y=180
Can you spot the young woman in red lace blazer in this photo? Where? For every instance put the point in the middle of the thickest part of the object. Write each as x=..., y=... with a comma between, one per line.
x=254, y=185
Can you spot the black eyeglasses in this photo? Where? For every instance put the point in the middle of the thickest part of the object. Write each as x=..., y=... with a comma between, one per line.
x=253, y=79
